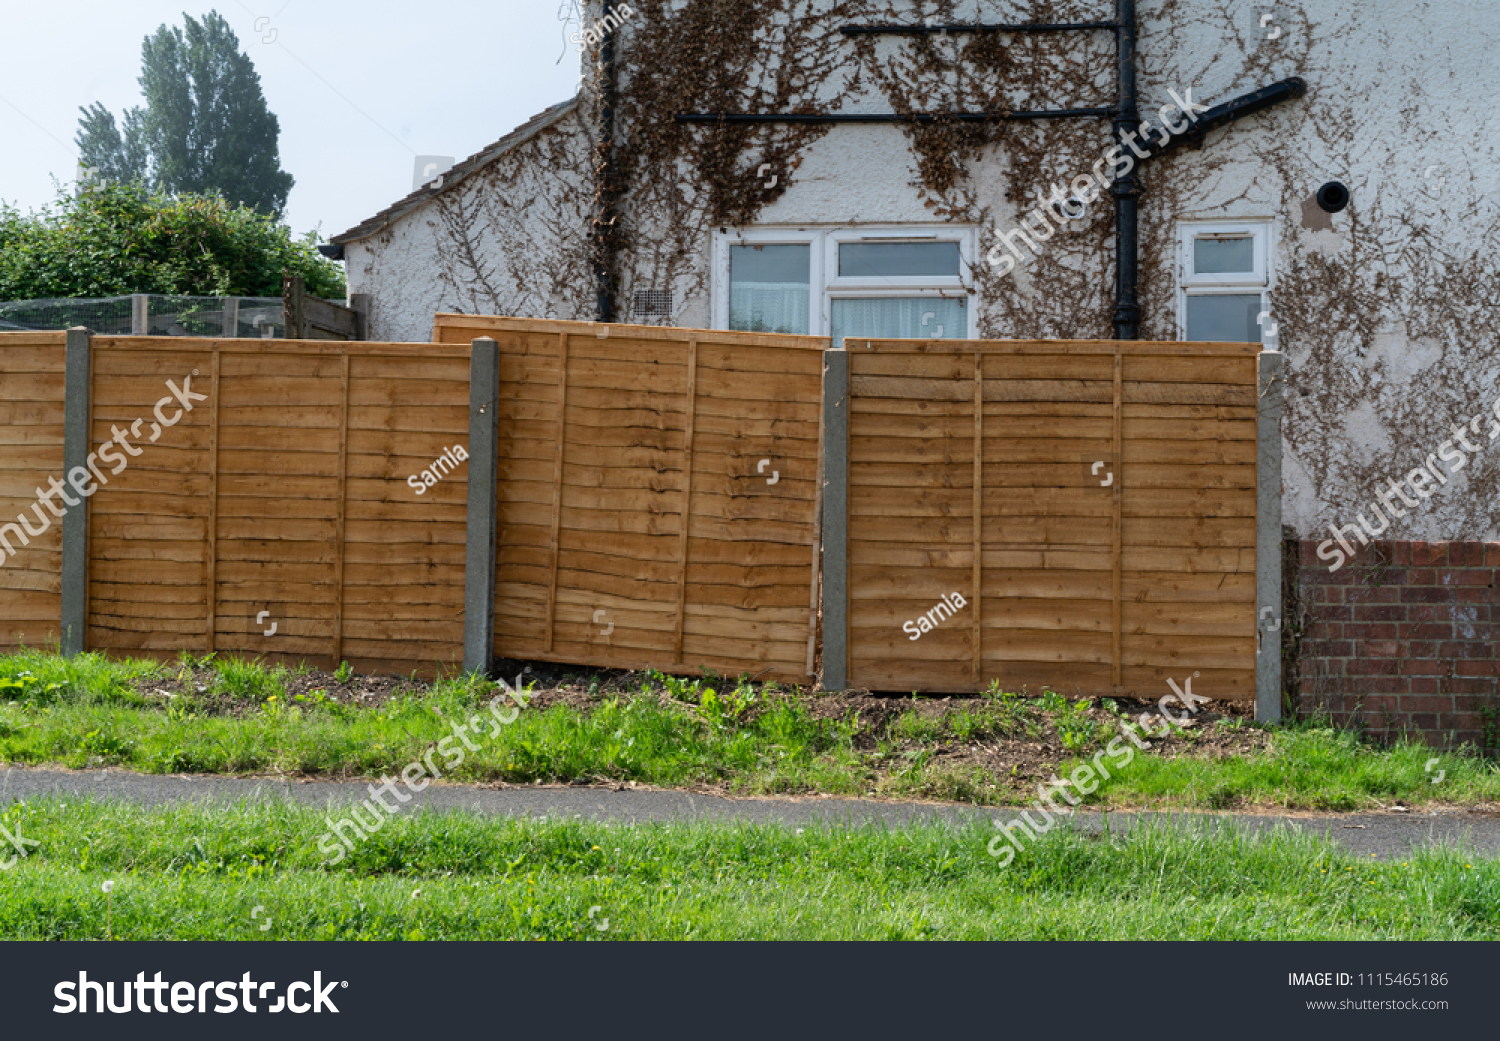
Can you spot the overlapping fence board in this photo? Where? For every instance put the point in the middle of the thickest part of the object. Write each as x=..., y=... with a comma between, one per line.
x=638, y=526
x=1107, y=578
x=284, y=491
x=31, y=451
x=658, y=497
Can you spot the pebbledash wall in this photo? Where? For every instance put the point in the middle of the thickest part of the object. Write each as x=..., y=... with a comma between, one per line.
x=1385, y=310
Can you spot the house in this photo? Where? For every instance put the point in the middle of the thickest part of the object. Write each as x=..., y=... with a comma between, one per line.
x=1323, y=176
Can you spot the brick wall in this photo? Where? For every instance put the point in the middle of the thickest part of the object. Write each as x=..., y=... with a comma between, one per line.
x=1403, y=637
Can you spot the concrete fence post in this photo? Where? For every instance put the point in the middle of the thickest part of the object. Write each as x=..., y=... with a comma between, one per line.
x=140, y=314
x=479, y=555
x=75, y=521
x=835, y=585
x=1270, y=397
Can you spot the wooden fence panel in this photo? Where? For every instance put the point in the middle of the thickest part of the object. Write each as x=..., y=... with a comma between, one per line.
x=281, y=500
x=1098, y=497
x=658, y=495
x=31, y=452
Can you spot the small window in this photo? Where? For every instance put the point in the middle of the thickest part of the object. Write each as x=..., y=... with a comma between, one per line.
x=903, y=282
x=1214, y=255
x=1224, y=317
x=770, y=288
x=901, y=259
x=1224, y=282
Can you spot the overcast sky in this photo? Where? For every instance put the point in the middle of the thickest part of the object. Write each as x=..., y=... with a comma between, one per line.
x=361, y=87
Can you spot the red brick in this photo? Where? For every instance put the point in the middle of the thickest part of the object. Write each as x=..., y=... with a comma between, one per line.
x=1417, y=576
x=1426, y=703
x=1332, y=613
x=1421, y=553
x=1379, y=613
x=1472, y=577
x=1489, y=667
x=1471, y=686
x=1412, y=665
x=1492, y=554
x=1427, y=631
x=1382, y=648
x=1384, y=685
x=1427, y=684
x=1428, y=595
x=1375, y=595
x=1425, y=721
x=1474, y=702
x=1337, y=649
x=1465, y=649
x=1400, y=552
x=1370, y=667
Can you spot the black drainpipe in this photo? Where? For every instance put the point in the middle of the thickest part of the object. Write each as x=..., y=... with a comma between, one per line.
x=606, y=189
x=1125, y=189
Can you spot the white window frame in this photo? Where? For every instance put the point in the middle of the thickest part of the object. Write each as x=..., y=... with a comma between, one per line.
x=825, y=283
x=1224, y=283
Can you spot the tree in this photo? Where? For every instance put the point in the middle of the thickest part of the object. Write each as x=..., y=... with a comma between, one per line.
x=205, y=126
x=124, y=238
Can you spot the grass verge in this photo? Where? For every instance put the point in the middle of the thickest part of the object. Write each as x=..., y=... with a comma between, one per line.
x=224, y=873
x=236, y=717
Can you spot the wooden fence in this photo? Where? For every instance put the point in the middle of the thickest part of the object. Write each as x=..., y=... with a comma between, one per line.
x=1092, y=504
x=284, y=491
x=658, y=503
x=31, y=451
x=658, y=495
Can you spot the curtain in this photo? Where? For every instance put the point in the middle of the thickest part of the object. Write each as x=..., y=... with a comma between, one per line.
x=899, y=318
x=769, y=307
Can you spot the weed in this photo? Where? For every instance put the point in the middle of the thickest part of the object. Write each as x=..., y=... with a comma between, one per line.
x=25, y=686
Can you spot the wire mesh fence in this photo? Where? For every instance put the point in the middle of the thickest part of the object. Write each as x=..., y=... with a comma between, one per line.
x=152, y=314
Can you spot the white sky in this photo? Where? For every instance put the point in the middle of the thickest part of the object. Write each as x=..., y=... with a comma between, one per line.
x=438, y=77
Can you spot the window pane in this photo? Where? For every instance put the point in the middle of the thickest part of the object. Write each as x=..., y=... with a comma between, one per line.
x=1216, y=256
x=770, y=288
x=903, y=318
x=897, y=259
x=1224, y=318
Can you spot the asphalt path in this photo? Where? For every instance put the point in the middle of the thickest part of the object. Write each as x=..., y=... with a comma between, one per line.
x=1383, y=835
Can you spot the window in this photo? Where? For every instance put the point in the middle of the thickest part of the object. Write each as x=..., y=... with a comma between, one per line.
x=1223, y=281
x=885, y=283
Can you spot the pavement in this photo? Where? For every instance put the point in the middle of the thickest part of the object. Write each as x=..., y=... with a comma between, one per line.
x=1385, y=835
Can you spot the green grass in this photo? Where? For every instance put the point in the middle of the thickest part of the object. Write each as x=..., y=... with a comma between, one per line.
x=1309, y=767
x=237, y=718
x=80, y=713
x=192, y=872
